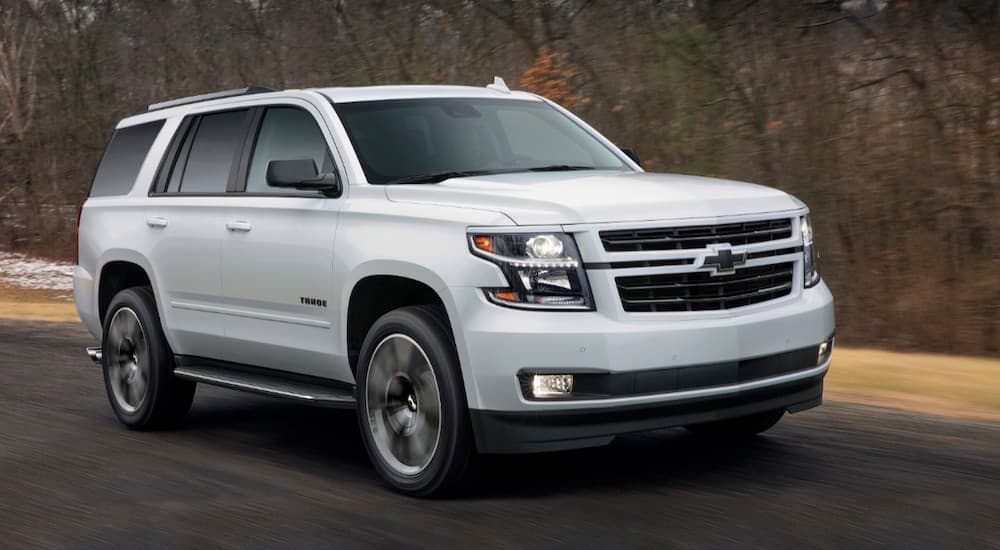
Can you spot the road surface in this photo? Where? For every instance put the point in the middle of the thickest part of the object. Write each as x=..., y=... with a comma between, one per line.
x=248, y=471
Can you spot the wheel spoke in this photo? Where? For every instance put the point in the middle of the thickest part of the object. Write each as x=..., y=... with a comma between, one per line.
x=401, y=449
x=403, y=404
x=140, y=384
x=432, y=417
x=420, y=442
x=409, y=359
x=132, y=394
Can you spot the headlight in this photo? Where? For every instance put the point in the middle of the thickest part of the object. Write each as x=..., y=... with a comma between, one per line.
x=810, y=267
x=543, y=270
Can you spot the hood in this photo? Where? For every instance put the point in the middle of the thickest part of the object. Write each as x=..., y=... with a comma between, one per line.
x=541, y=198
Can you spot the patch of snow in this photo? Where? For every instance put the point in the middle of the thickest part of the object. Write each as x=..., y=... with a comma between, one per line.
x=27, y=272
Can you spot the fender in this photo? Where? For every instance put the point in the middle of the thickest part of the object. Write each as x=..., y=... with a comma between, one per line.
x=135, y=257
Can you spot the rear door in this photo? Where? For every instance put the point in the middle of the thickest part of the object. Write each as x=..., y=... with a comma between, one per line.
x=186, y=223
x=277, y=255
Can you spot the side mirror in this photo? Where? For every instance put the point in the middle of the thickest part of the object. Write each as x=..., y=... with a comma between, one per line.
x=630, y=153
x=302, y=174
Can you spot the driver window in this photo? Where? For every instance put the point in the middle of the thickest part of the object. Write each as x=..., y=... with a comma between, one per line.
x=286, y=133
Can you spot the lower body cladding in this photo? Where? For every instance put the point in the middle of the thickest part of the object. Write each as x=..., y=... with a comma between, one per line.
x=633, y=373
x=551, y=430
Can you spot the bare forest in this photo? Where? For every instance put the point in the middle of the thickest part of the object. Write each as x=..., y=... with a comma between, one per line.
x=882, y=115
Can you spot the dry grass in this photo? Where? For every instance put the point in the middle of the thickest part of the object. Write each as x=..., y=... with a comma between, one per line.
x=947, y=385
x=36, y=305
x=958, y=387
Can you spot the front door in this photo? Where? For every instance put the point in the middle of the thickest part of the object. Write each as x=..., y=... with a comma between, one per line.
x=277, y=254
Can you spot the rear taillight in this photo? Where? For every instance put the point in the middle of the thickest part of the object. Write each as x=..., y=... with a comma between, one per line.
x=76, y=244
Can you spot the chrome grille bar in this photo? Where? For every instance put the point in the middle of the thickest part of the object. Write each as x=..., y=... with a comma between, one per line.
x=703, y=291
x=698, y=236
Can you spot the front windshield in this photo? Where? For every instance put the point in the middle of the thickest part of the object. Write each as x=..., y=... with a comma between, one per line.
x=412, y=140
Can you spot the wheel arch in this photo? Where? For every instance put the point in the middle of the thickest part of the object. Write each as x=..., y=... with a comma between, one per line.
x=393, y=277
x=120, y=269
x=380, y=287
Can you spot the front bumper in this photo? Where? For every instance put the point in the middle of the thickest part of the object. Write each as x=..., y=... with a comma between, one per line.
x=495, y=344
x=554, y=430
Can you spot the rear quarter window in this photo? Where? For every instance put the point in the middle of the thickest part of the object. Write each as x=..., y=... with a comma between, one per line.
x=123, y=158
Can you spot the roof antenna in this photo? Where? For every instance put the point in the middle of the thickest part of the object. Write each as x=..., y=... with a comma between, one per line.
x=499, y=85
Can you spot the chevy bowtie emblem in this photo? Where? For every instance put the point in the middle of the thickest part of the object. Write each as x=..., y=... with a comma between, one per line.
x=723, y=259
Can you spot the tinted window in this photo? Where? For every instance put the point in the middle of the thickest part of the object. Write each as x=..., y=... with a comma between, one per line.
x=212, y=153
x=530, y=136
x=286, y=133
x=406, y=138
x=123, y=158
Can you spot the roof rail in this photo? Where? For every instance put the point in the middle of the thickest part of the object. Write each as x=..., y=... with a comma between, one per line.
x=205, y=97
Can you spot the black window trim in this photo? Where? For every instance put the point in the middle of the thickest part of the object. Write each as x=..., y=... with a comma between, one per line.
x=180, y=148
x=251, y=143
x=237, y=183
x=181, y=160
x=246, y=151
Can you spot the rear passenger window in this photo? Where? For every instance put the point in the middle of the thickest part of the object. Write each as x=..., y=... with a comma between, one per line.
x=286, y=133
x=123, y=158
x=211, y=149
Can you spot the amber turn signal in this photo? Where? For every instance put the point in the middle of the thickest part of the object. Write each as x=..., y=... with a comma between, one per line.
x=483, y=242
x=506, y=296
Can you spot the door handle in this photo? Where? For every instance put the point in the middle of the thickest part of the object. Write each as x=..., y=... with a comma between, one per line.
x=239, y=226
x=156, y=222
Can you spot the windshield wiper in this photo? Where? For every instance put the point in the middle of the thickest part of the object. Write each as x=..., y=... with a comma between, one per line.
x=560, y=168
x=438, y=177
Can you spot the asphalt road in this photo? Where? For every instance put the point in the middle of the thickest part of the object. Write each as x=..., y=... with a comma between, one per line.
x=247, y=471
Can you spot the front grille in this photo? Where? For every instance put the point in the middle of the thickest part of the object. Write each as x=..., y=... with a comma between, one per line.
x=701, y=291
x=695, y=236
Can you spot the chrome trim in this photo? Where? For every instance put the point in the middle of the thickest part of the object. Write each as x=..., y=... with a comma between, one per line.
x=95, y=354
x=681, y=395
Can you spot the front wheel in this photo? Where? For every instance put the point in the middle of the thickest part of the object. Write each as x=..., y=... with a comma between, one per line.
x=411, y=402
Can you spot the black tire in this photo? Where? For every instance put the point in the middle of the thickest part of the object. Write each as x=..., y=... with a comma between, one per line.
x=742, y=427
x=453, y=450
x=145, y=355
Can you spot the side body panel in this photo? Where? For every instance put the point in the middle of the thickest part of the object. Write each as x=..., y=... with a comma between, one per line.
x=185, y=256
x=278, y=287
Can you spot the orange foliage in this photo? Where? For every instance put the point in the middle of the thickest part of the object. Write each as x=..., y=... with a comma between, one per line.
x=550, y=76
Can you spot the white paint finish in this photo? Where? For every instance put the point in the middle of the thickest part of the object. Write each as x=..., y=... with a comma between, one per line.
x=266, y=270
x=501, y=341
x=185, y=256
x=111, y=229
x=83, y=285
x=595, y=197
x=251, y=313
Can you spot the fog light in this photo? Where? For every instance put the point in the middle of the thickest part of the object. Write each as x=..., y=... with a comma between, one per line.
x=551, y=385
x=824, y=351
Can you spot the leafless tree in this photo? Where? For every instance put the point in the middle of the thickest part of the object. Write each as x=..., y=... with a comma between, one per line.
x=18, y=81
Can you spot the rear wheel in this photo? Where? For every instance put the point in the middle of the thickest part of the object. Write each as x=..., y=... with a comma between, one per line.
x=744, y=426
x=138, y=364
x=411, y=402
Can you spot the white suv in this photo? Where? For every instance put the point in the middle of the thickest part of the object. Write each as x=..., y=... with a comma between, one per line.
x=476, y=270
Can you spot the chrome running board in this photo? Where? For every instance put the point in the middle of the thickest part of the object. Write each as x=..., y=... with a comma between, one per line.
x=272, y=383
x=95, y=354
